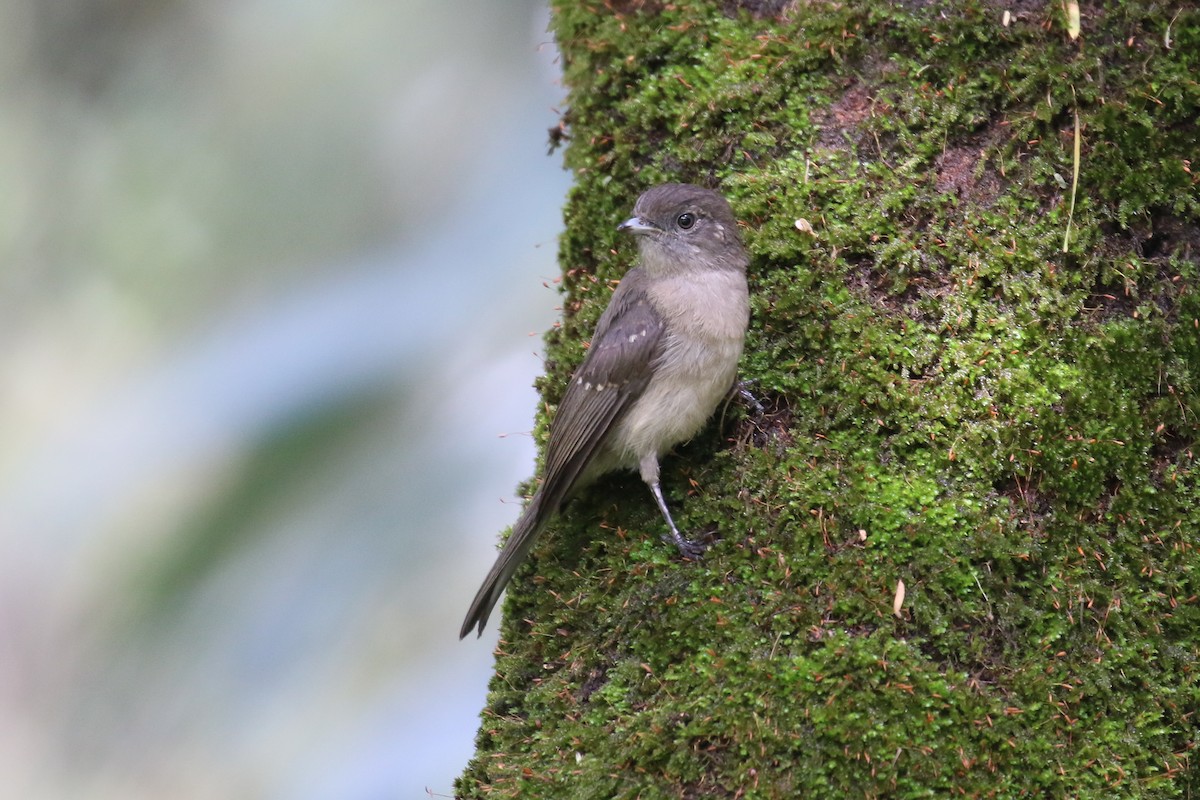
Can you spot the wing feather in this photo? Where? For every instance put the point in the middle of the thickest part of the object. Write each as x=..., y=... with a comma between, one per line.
x=613, y=375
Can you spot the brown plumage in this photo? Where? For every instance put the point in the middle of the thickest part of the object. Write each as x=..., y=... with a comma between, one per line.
x=662, y=357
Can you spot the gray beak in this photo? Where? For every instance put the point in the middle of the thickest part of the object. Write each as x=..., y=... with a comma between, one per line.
x=638, y=225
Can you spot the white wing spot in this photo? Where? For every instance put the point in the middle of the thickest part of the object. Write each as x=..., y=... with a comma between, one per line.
x=587, y=386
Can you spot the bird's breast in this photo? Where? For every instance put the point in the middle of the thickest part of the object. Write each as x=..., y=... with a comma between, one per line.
x=706, y=322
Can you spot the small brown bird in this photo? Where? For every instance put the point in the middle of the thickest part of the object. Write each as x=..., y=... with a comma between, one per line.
x=663, y=355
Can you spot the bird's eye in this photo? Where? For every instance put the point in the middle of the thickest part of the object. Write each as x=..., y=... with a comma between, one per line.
x=685, y=220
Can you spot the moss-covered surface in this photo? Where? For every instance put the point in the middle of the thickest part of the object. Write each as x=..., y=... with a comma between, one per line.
x=953, y=402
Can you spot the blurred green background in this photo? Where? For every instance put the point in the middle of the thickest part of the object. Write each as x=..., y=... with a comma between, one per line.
x=272, y=291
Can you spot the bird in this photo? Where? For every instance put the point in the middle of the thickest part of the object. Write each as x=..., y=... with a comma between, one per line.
x=662, y=357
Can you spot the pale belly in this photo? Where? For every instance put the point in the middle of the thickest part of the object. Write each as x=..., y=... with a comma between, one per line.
x=692, y=375
x=685, y=391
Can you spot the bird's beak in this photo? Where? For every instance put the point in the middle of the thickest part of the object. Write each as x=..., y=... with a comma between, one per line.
x=638, y=225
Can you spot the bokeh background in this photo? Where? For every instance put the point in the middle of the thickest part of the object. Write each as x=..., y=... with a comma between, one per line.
x=273, y=275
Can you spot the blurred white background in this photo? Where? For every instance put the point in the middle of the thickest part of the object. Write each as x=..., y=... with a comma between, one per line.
x=271, y=291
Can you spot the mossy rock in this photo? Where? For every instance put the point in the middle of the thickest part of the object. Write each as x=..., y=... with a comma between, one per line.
x=955, y=401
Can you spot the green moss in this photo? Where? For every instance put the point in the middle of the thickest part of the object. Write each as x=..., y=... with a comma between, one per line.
x=954, y=402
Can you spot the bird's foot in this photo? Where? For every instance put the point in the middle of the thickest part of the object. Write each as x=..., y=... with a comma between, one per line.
x=743, y=391
x=688, y=548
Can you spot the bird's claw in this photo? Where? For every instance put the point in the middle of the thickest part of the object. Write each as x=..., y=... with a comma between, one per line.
x=749, y=399
x=688, y=548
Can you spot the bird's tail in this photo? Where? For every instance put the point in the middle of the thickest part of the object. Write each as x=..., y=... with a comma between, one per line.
x=524, y=533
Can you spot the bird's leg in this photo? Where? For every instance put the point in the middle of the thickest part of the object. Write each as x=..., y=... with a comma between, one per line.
x=741, y=388
x=687, y=548
x=649, y=469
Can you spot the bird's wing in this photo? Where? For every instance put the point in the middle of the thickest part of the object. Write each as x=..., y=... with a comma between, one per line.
x=612, y=376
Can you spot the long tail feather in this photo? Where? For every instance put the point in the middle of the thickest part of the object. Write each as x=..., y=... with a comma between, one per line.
x=524, y=533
